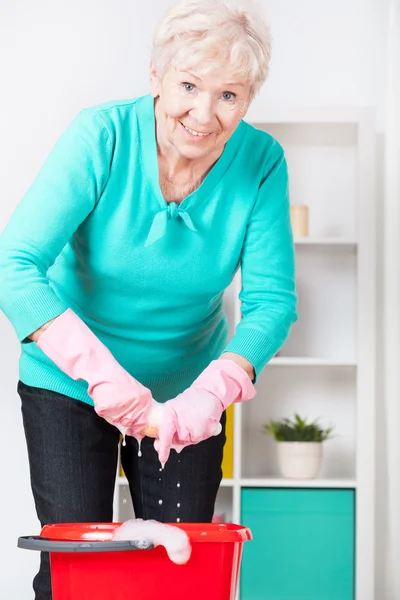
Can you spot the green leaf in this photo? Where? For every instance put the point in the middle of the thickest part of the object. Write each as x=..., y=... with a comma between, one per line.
x=297, y=430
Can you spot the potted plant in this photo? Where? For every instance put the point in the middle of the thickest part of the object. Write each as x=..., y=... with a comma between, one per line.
x=299, y=446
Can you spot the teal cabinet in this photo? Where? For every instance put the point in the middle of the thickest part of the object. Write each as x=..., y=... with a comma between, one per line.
x=303, y=546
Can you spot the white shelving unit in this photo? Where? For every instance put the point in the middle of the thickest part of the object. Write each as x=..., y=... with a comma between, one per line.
x=326, y=369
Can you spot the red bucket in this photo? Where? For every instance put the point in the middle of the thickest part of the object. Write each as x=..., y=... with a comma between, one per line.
x=107, y=570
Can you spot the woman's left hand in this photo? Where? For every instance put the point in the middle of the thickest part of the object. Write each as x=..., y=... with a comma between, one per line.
x=190, y=418
x=195, y=415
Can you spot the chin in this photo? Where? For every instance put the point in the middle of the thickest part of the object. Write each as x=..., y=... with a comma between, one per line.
x=198, y=150
x=192, y=153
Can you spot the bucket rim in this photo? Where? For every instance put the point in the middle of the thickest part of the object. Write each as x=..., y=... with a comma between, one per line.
x=103, y=532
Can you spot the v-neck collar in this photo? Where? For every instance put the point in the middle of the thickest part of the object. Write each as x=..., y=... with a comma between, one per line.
x=148, y=151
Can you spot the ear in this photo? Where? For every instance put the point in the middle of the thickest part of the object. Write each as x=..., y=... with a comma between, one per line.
x=154, y=82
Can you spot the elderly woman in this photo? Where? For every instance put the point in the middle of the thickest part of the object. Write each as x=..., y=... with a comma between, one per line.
x=113, y=270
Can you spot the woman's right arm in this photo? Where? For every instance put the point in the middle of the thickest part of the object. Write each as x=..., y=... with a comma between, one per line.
x=64, y=193
x=61, y=197
x=36, y=334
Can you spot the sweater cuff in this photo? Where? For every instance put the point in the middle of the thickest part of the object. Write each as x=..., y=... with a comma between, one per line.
x=33, y=310
x=253, y=345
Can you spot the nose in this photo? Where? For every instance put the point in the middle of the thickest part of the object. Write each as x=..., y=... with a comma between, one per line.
x=203, y=111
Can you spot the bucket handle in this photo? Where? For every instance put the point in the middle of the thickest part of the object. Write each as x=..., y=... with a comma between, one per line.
x=35, y=542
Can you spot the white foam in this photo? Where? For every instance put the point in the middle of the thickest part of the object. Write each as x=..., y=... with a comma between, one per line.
x=122, y=431
x=97, y=536
x=174, y=540
x=155, y=418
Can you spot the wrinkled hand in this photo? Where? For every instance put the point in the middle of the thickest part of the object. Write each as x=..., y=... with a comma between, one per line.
x=194, y=415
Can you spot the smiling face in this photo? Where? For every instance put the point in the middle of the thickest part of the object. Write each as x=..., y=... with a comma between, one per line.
x=198, y=111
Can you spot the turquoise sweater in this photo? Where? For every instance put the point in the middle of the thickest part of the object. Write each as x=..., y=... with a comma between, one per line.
x=94, y=234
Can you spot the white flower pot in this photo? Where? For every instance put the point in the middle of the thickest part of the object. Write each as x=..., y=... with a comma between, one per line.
x=300, y=460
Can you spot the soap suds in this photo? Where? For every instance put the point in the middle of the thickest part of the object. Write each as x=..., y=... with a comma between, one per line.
x=174, y=540
x=151, y=430
x=97, y=536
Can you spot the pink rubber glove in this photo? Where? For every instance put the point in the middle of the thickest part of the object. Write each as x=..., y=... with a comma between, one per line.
x=117, y=396
x=195, y=415
x=155, y=418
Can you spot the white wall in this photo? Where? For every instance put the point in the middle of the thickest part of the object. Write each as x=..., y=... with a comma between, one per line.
x=56, y=57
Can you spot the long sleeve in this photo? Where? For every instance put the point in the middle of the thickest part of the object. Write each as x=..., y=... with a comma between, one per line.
x=61, y=197
x=268, y=273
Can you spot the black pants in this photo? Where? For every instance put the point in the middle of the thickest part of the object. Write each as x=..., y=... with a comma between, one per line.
x=73, y=460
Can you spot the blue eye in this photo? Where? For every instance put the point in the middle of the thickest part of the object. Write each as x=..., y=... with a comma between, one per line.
x=229, y=96
x=189, y=87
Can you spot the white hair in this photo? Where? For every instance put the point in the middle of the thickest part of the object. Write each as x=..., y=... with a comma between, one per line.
x=194, y=32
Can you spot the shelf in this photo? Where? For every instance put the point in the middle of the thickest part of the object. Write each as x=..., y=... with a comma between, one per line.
x=326, y=368
x=227, y=483
x=350, y=115
x=224, y=482
x=272, y=482
x=324, y=241
x=268, y=482
x=283, y=361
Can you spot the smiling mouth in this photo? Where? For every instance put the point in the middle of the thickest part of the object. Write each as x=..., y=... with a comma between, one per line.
x=194, y=132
